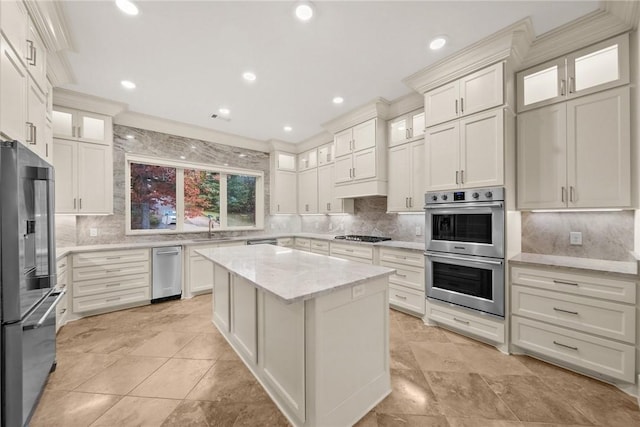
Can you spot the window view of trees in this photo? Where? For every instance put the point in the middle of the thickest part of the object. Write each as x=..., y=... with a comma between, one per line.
x=201, y=199
x=166, y=198
x=153, y=197
x=241, y=200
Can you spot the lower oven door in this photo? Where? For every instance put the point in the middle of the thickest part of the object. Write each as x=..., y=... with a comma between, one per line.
x=29, y=355
x=472, y=282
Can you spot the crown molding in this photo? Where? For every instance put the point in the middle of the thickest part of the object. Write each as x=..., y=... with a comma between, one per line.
x=379, y=107
x=171, y=127
x=613, y=18
x=315, y=141
x=278, y=145
x=405, y=104
x=81, y=101
x=510, y=43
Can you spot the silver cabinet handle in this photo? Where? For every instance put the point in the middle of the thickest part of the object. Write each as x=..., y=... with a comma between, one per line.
x=410, y=202
x=401, y=275
x=565, y=311
x=462, y=177
x=570, y=347
x=349, y=250
x=80, y=203
x=406, y=133
x=571, y=194
x=306, y=207
x=572, y=85
x=31, y=139
x=406, y=202
x=462, y=105
x=73, y=131
x=112, y=284
x=400, y=297
x=563, y=88
x=113, y=257
x=74, y=203
x=278, y=208
x=457, y=172
x=563, y=194
x=31, y=59
x=328, y=206
x=79, y=132
x=464, y=322
x=354, y=172
x=112, y=299
x=116, y=270
x=562, y=282
x=456, y=107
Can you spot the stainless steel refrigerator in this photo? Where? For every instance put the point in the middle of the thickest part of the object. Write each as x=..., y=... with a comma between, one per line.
x=27, y=280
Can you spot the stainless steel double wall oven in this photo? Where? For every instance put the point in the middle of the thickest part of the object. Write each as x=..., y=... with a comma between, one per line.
x=465, y=242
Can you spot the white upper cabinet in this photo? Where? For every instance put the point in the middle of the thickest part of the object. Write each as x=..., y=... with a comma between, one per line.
x=327, y=202
x=356, y=152
x=406, y=128
x=308, y=191
x=13, y=87
x=37, y=136
x=364, y=135
x=283, y=195
x=466, y=153
x=325, y=154
x=308, y=160
x=476, y=92
x=36, y=59
x=406, y=177
x=592, y=69
x=285, y=161
x=82, y=126
x=576, y=154
x=14, y=25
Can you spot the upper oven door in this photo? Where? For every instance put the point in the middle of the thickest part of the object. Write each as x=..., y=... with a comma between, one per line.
x=466, y=228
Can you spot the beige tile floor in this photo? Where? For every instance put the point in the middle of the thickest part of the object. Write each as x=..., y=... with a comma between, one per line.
x=166, y=365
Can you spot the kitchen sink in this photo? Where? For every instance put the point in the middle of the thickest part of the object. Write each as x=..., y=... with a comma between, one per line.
x=213, y=239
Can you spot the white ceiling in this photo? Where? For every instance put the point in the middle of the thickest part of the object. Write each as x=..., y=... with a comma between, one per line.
x=187, y=57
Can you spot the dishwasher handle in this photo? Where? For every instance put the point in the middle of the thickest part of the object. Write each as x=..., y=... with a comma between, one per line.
x=168, y=253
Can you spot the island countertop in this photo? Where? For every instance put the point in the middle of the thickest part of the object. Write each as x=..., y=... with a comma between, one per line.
x=292, y=275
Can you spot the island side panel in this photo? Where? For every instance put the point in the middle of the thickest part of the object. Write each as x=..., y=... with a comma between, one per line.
x=244, y=313
x=347, y=352
x=221, y=294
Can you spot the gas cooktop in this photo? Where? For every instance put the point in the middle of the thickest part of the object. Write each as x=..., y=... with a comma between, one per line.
x=368, y=239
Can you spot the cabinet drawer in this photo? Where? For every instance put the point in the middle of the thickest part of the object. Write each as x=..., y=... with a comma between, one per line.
x=578, y=284
x=599, y=355
x=109, y=257
x=99, y=286
x=302, y=244
x=62, y=280
x=406, y=299
x=352, y=251
x=110, y=270
x=61, y=265
x=608, y=319
x=412, y=258
x=481, y=326
x=320, y=247
x=111, y=299
x=406, y=276
x=287, y=242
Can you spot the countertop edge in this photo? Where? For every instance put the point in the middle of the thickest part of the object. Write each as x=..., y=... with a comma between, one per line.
x=625, y=268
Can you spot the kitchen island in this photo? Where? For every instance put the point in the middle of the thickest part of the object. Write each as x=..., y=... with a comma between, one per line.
x=313, y=330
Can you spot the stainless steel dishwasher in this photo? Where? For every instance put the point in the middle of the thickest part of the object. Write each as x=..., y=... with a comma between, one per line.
x=167, y=273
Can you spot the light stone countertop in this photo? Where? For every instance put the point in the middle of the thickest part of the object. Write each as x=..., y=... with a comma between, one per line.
x=595, y=265
x=61, y=252
x=292, y=275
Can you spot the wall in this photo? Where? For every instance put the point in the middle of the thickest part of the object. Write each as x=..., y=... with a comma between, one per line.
x=72, y=230
x=605, y=235
x=370, y=218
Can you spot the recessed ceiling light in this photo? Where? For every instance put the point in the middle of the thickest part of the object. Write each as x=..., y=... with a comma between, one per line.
x=288, y=128
x=224, y=111
x=249, y=76
x=226, y=164
x=128, y=84
x=193, y=147
x=304, y=11
x=127, y=7
x=338, y=100
x=182, y=157
x=130, y=137
x=242, y=155
x=438, y=43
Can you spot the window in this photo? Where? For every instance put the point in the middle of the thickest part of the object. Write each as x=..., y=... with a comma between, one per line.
x=175, y=197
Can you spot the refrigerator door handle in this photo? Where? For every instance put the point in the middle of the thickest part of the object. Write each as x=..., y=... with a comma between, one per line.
x=50, y=309
x=38, y=305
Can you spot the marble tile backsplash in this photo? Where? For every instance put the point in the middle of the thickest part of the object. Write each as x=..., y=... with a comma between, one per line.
x=370, y=218
x=605, y=235
x=72, y=231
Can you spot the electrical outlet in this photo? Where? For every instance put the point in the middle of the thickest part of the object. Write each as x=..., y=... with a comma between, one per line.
x=357, y=291
x=418, y=230
x=575, y=238
x=93, y=232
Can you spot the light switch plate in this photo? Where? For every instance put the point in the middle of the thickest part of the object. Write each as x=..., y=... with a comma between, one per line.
x=575, y=238
x=93, y=232
x=418, y=230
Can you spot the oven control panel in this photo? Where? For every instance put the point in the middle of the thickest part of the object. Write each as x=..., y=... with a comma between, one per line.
x=465, y=196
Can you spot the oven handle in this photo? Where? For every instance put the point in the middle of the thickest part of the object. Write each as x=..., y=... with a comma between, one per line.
x=465, y=205
x=464, y=258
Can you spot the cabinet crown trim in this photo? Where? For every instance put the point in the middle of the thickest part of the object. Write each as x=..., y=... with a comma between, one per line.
x=378, y=108
x=512, y=43
x=80, y=101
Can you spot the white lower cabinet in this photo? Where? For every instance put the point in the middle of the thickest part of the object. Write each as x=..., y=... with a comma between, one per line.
x=406, y=285
x=308, y=191
x=320, y=247
x=244, y=317
x=110, y=280
x=406, y=177
x=199, y=274
x=586, y=321
x=302, y=244
x=466, y=321
x=352, y=252
x=286, y=242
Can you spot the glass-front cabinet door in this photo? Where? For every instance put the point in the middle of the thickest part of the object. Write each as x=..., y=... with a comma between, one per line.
x=595, y=68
